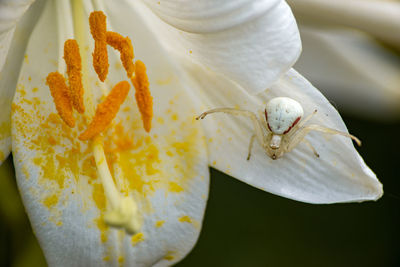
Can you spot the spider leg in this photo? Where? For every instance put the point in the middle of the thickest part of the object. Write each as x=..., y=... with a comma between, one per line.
x=250, y=146
x=239, y=112
x=302, y=132
x=301, y=123
x=311, y=147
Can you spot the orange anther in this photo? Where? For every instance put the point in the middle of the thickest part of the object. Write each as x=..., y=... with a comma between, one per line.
x=143, y=97
x=106, y=111
x=72, y=59
x=124, y=46
x=98, y=28
x=59, y=91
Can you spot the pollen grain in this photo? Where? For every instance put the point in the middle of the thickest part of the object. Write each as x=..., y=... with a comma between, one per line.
x=125, y=48
x=73, y=61
x=106, y=111
x=98, y=29
x=60, y=94
x=143, y=97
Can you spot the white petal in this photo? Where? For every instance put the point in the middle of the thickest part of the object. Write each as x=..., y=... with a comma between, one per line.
x=339, y=175
x=10, y=13
x=347, y=65
x=9, y=74
x=252, y=42
x=167, y=173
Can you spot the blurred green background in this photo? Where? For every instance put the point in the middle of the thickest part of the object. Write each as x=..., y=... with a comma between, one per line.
x=244, y=226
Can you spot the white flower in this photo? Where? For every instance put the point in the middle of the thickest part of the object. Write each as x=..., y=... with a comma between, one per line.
x=208, y=54
x=346, y=54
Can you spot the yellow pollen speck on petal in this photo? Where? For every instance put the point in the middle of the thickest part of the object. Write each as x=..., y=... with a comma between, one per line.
x=138, y=154
x=125, y=48
x=98, y=196
x=174, y=117
x=50, y=201
x=121, y=259
x=106, y=258
x=52, y=141
x=160, y=120
x=139, y=237
x=185, y=219
x=103, y=228
x=100, y=202
x=159, y=223
x=169, y=256
x=60, y=94
x=98, y=28
x=106, y=111
x=143, y=97
x=72, y=59
x=181, y=147
x=174, y=187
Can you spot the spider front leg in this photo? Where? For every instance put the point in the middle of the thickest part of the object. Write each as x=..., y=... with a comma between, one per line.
x=301, y=123
x=311, y=147
x=250, y=146
x=298, y=136
x=259, y=133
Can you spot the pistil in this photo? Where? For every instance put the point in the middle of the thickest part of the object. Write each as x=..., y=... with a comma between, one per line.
x=123, y=212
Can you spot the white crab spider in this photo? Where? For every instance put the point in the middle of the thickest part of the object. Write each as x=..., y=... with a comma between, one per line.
x=280, y=128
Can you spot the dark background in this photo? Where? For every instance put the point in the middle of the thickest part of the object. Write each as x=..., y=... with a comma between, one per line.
x=244, y=226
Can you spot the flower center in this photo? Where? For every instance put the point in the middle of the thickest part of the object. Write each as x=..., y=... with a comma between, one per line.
x=123, y=211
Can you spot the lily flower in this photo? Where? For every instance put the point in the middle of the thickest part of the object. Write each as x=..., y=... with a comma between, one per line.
x=350, y=52
x=128, y=195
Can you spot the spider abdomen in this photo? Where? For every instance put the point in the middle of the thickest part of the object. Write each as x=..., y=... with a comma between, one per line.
x=282, y=113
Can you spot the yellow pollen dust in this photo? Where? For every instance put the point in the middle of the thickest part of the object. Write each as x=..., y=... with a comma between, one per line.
x=185, y=219
x=139, y=237
x=159, y=223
